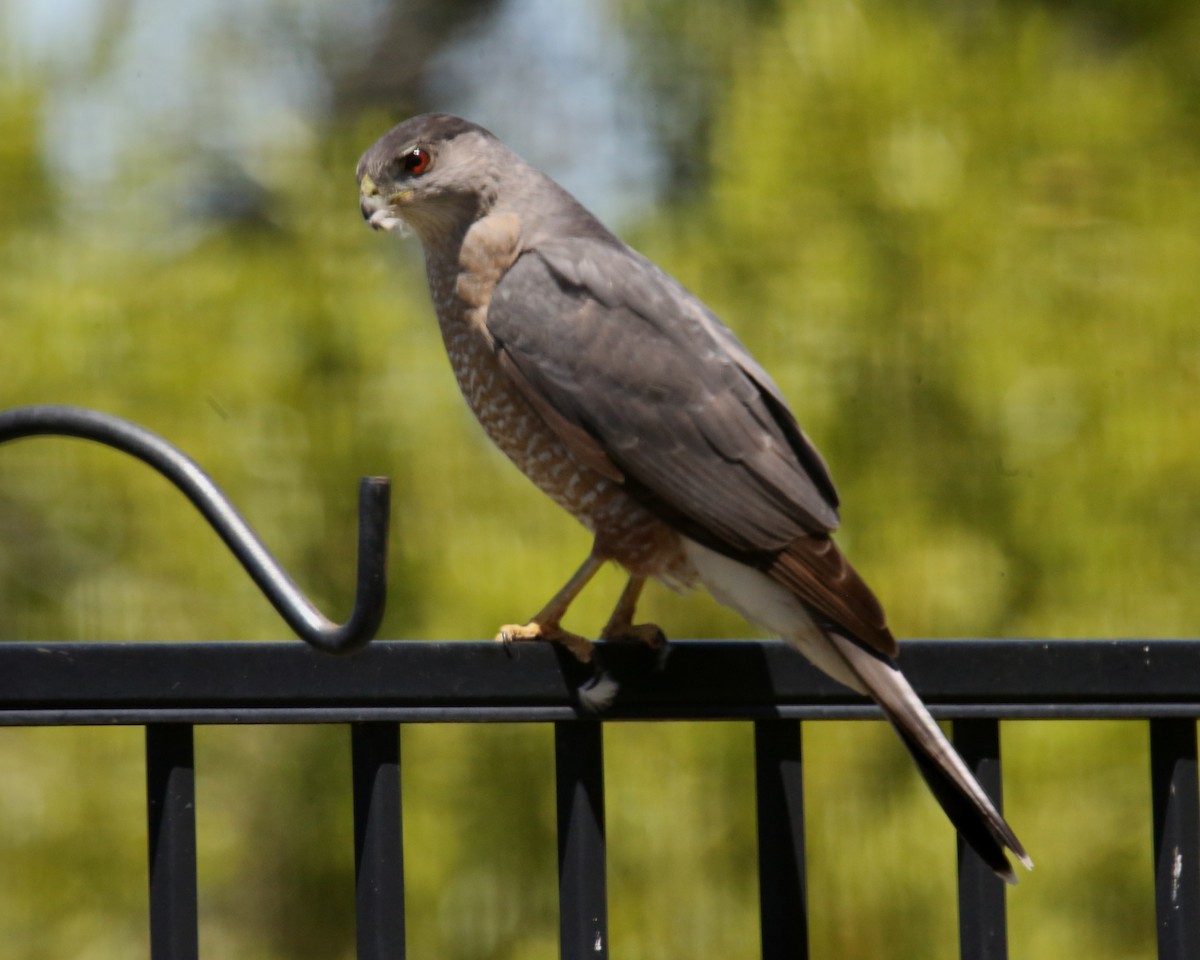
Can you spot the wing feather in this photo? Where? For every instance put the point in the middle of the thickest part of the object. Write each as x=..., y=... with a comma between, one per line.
x=639, y=377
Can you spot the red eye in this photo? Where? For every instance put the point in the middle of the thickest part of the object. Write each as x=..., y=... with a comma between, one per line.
x=416, y=161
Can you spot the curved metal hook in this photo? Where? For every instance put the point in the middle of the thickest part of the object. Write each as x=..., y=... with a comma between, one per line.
x=308, y=622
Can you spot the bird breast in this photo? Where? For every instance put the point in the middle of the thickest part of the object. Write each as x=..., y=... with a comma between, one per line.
x=624, y=530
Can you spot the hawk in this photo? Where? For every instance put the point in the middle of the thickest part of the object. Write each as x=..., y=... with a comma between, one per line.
x=629, y=403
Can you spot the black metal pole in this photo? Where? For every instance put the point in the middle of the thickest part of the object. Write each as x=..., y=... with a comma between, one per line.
x=782, y=884
x=378, y=841
x=1175, y=795
x=582, y=871
x=305, y=619
x=982, y=908
x=171, y=806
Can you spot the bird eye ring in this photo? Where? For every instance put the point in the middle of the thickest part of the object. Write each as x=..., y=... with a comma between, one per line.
x=416, y=161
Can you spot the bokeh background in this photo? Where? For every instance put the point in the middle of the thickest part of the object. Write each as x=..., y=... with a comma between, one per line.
x=965, y=239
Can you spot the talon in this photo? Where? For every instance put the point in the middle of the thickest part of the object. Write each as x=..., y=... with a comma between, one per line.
x=533, y=631
x=647, y=633
x=517, y=633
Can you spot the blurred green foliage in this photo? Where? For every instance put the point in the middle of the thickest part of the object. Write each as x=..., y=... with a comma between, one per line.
x=964, y=241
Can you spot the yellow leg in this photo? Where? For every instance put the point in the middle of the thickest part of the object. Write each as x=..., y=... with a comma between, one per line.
x=620, y=625
x=545, y=625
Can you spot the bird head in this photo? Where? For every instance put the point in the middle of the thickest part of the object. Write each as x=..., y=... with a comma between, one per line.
x=434, y=173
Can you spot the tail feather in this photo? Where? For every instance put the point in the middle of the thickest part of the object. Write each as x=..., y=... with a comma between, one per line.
x=977, y=832
x=778, y=601
x=952, y=783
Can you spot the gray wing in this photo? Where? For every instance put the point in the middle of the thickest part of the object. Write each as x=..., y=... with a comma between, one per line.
x=632, y=367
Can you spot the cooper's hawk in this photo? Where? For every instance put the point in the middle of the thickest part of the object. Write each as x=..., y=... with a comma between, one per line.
x=625, y=399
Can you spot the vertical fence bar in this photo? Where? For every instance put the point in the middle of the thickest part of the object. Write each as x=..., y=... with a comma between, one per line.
x=171, y=811
x=582, y=876
x=982, y=908
x=782, y=883
x=1175, y=795
x=378, y=841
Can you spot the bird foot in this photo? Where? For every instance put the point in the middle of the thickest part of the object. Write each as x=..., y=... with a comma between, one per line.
x=648, y=633
x=581, y=647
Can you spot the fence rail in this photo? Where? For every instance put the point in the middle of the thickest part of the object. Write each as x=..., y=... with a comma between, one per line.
x=168, y=688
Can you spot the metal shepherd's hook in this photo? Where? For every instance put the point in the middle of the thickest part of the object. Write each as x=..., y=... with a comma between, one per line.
x=305, y=619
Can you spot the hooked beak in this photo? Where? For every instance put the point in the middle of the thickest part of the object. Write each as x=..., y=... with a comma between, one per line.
x=375, y=208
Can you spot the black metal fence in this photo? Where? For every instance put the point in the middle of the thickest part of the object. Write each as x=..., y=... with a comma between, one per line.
x=169, y=688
